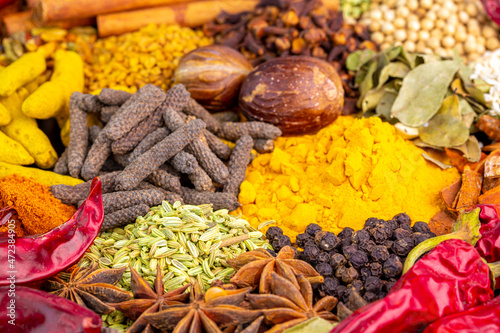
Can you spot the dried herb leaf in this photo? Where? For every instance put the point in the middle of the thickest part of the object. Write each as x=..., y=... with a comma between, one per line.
x=423, y=91
x=471, y=149
x=450, y=107
x=393, y=69
x=357, y=59
x=438, y=163
x=458, y=88
x=444, y=131
x=385, y=105
x=315, y=324
x=372, y=99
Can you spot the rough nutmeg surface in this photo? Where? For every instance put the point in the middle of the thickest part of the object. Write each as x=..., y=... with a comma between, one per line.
x=299, y=95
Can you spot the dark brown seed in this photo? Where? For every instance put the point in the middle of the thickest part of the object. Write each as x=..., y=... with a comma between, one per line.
x=97, y=156
x=113, y=97
x=217, y=199
x=90, y=103
x=165, y=180
x=151, y=160
x=218, y=147
x=78, y=136
x=124, y=216
x=258, y=130
x=138, y=107
x=94, y=133
x=149, y=141
x=238, y=163
x=119, y=200
x=194, y=109
x=108, y=111
x=61, y=166
x=227, y=116
x=208, y=161
x=184, y=163
x=201, y=180
x=263, y=146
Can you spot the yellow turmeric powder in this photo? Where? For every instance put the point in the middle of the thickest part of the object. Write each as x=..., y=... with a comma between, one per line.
x=348, y=172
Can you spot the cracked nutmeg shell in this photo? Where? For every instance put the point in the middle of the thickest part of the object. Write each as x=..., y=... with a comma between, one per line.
x=213, y=75
x=298, y=94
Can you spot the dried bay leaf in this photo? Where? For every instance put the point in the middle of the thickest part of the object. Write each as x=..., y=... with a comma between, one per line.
x=423, y=92
x=465, y=107
x=444, y=131
x=385, y=105
x=421, y=144
x=450, y=107
x=436, y=162
x=471, y=149
x=458, y=88
x=393, y=52
x=367, y=84
x=407, y=58
x=394, y=69
x=357, y=59
x=372, y=99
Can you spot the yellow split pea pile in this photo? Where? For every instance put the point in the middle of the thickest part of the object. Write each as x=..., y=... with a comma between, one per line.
x=348, y=172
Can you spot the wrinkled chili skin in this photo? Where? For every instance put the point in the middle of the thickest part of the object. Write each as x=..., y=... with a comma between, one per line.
x=41, y=256
x=488, y=245
x=484, y=318
x=449, y=279
x=37, y=311
x=492, y=7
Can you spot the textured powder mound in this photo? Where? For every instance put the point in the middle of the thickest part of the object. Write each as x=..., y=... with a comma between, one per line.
x=346, y=173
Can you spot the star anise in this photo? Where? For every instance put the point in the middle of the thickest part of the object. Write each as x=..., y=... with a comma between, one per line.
x=205, y=315
x=254, y=268
x=289, y=305
x=147, y=301
x=91, y=287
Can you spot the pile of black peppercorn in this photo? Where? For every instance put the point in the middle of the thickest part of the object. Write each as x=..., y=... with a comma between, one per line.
x=369, y=260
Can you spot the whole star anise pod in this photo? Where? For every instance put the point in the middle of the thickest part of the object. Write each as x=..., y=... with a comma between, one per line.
x=91, y=287
x=147, y=301
x=254, y=268
x=289, y=305
x=205, y=315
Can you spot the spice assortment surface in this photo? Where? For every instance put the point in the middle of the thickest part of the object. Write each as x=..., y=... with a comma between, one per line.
x=250, y=166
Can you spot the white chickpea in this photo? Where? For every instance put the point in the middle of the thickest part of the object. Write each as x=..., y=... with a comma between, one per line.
x=433, y=43
x=423, y=35
x=399, y=23
x=452, y=20
x=427, y=24
x=470, y=44
x=473, y=56
x=441, y=52
x=460, y=48
x=460, y=36
x=389, y=15
x=480, y=48
x=440, y=24
x=410, y=46
x=375, y=26
x=471, y=9
x=376, y=15
x=427, y=4
x=463, y=17
x=492, y=43
x=437, y=33
x=448, y=42
x=378, y=37
x=488, y=31
x=400, y=35
x=431, y=16
x=388, y=28
x=420, y=47
x=402, y=12
x=449, y=29
x=413, y=25
x=385, y=46
x=444, y=13
x=412, y=36
x=428, y=50
x=412, y=4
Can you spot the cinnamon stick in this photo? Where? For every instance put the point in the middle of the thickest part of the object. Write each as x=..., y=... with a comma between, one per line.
x=191, y=14
x=52, y=10
x=22, y=21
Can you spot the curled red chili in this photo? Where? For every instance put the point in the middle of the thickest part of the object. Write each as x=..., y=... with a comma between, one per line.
x=451, y=278
x=488, y=245
x=26, y=310
x=484, y=318
x=492, y=7
x=33, y=258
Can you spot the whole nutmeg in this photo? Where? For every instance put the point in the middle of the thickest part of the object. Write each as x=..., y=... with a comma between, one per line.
x=298, y=94
x=213, y=75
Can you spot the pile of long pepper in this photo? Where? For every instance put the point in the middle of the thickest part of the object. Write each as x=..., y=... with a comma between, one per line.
x=168, y=136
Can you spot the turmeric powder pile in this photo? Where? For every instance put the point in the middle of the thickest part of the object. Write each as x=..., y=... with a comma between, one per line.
x=130, y=61
x=37, y=209
x=348, y=172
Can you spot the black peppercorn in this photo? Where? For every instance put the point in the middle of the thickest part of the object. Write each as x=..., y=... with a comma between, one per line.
x=392, y=224
x=357, y=285
x=379, y=253
x=402, y=233
x=328, y=287
x=373, y=284
x=421, y=227
x=364, y=272
x=311, y=252
x=431, y=234
x=419, y=237
x=324, y=257
x=406, y=227
x=312, y=229
x=380, y=234
x=388, y=244
x=272, y=232
x=337, y=260
x=344, y=294
x=360, y=236
x=388, y=285
x=392, y=267
x=370, y=297
x=349, y=275
x=366, y=246
x=324, y=269
x=302, y=239
x=371, y=222
x=349, y=250
x=346, y=242
x=329, y=242
x=341, y=270
x=375, y=269
x=402, y=218
x=280, y=241
x=402, y=246
x=346, y=233
x=358, y=259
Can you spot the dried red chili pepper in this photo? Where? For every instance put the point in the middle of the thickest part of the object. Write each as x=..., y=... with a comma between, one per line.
x=26, y=310
x=451, y=278
x=492, y=7
x=33, y=258
x=488, y=245
x=484, y=318
x=466, y=228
